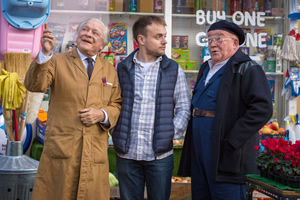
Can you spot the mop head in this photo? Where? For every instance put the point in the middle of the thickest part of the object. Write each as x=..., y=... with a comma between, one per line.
x=298, y=48
x=11, y=90
x=289, y=51
x=34, y=104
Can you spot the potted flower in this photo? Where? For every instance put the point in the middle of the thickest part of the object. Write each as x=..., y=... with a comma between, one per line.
x=280, y=158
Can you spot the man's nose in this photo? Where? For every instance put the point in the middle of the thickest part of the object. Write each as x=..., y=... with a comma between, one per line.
x=89, y=32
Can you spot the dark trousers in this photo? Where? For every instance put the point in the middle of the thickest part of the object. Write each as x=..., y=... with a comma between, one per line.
x=133, y=175
x=203, y=188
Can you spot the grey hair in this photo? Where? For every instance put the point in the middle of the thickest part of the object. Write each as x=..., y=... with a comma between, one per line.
x=105, y=33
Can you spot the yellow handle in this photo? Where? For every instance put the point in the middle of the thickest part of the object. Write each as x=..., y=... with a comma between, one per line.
x=293, y=118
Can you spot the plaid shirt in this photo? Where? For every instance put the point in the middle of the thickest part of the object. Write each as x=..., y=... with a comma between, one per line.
x=143, y=113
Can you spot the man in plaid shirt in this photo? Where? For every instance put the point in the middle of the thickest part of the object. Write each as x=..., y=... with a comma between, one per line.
x=155, y=110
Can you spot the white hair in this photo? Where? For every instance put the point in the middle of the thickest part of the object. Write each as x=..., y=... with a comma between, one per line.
x=105, y=33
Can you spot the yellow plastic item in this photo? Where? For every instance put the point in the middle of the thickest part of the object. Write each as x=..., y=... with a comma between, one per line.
x=11, y=90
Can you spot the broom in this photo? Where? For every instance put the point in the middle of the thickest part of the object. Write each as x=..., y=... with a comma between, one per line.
x=12, y=94
x=19, y=63
x=1, y=64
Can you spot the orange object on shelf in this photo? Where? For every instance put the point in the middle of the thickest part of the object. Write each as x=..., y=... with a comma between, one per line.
x=42, y=115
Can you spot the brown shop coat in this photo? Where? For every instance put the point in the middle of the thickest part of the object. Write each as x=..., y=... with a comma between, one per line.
x=74, y=156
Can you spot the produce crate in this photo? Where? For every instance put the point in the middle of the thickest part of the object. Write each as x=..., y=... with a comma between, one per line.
x=266, y=136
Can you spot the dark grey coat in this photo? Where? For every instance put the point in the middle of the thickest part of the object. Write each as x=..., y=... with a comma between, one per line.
x=244, y=105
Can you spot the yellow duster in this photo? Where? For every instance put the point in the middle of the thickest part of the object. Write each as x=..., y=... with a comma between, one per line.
x=11, y=90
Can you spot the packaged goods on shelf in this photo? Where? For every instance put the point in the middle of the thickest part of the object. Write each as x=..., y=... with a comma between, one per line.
x=180, y=41
x=118, y=38
x=59, y=31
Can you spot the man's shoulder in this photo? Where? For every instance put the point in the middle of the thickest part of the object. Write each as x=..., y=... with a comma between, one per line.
x=126, y=63
x=169, y=62
x=247, y=65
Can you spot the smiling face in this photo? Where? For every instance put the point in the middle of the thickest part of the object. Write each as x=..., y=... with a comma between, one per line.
x=220, y=52
x=90, y=38
x=153, y=43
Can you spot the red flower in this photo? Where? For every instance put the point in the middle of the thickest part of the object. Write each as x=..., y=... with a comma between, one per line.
x=287, y=157
x=279, y=155
x=257, y=147
x=294, y=163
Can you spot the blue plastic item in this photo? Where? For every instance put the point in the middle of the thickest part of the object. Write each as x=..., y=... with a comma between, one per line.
x=27, y=142
x=295, y=15
x=26, y=14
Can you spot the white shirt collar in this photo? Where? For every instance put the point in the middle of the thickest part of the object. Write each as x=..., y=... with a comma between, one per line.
x=217, y=64
x=83, y=57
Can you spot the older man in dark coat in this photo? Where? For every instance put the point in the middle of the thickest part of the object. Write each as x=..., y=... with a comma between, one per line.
x=231, y=102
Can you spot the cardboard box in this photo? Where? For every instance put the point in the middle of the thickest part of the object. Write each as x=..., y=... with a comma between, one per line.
x=191, y=64
x=40, y=130
x=184, y=42
x=185, y=53
x=145, y=6
x=176, y=53
x=119, y=5
x=181, y=62
x=175, y=41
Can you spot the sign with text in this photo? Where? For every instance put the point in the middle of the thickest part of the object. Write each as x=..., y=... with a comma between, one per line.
x=239, y=18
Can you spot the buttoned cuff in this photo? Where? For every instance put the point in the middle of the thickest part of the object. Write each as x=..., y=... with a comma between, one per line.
x=42, y=58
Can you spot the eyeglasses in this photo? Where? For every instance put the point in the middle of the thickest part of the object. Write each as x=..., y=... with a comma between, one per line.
x=218, y=40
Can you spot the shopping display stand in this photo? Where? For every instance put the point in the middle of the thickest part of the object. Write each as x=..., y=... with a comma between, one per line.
x=269, y=190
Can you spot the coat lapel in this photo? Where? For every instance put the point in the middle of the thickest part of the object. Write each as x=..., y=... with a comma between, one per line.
x=78, y=62
x=97, y=67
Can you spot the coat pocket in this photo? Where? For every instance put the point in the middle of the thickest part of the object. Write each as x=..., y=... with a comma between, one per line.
x=60, y=146
x=230, y=159
x=99, y=151
x=211, y=99
x=106, y=93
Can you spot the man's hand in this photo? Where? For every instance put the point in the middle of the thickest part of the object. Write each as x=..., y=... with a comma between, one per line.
x=47, y=41
x=90, y=116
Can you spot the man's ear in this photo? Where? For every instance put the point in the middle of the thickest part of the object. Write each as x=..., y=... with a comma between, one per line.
x=236, y=43
x=141, y=39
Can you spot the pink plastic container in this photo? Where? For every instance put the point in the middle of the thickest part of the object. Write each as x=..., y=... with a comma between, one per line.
x=15, y=40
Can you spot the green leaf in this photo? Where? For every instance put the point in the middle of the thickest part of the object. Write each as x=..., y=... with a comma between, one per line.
x=277, y=167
